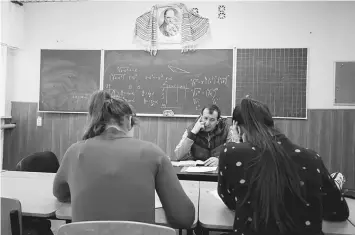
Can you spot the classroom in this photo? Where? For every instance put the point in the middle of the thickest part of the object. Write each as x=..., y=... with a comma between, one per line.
x=290, y=55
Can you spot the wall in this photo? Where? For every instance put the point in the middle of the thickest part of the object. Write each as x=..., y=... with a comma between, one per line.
x=12, y=18
x=326, y=28
x=12, y=22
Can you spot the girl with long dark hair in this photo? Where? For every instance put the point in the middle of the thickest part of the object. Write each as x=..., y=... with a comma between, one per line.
x=275, y=186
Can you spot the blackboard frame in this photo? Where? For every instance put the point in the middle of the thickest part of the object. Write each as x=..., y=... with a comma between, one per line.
x=67, y=49
x=335, y=103
x=180, y=115
x=234, y=74
x=307, y=78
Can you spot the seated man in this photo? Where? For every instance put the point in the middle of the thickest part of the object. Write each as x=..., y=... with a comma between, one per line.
x=204, y=138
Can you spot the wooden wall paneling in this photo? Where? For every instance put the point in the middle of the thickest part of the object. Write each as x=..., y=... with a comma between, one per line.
x=314, y=128
x=295, y=128
x=39, y=136
x=162, y=131
x=72, y=130
x=337, y=149
x=23, y=127
x=46, y=133
x=48, y=119
x=21, y=134
x=329, y=132
x=80, y=125
x=31, y=145
x=348, y=151
x=64, y=133
x=13, y=138
x=323, y=118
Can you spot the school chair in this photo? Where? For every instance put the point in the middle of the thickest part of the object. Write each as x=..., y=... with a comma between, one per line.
x=114, y=228
x=46, y=162
x=11, y=216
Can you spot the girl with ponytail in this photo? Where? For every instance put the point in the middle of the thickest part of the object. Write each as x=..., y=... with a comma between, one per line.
x=275, y=186
x=109, y=175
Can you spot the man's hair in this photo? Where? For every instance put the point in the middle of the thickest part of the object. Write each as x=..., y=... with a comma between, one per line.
x=212, y=108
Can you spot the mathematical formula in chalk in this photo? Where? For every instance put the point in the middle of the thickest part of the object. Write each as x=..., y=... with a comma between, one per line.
x=167, y=93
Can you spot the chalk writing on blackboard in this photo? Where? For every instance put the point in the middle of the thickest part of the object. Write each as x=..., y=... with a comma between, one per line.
x=170, y=94
x=182, y=83
x=67, y=79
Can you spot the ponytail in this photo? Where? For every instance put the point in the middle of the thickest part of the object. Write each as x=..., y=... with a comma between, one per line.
x=273, y=171
x=96, y=124
x=102, y=110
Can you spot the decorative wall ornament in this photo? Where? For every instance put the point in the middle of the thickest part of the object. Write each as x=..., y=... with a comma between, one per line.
x=171, y=24
x=221, y=12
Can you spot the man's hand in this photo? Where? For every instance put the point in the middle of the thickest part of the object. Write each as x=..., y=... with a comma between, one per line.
x=212, y=161
x=198, y=126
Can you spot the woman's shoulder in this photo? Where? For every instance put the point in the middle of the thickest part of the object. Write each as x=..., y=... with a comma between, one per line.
x=150, y=149
x=304, y=156
x=76, y=146
x=239, y=150
x=239, y=146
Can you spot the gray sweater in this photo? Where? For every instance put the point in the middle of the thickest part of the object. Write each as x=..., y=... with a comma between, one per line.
x=113, y=177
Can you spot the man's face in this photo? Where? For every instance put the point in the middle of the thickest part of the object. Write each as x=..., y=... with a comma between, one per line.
x=209, y=119
x=169, y=17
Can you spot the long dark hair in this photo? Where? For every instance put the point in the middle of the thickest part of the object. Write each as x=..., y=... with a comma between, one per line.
x=273, y=172
x=103, y=110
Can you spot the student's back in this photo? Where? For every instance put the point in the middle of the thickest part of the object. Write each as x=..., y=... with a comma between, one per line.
x=112, y=176
x=274, y=186
x=322, y=198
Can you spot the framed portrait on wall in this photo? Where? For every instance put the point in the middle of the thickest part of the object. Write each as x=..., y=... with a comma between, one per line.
x=172, y=25
x=169, y=25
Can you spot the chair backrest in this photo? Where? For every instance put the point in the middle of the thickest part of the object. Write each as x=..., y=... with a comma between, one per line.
x=114, y=228
x=11, y=216
x=39, y=162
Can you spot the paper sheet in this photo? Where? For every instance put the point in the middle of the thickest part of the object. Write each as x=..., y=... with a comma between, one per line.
x=197, y=169
x=187, y=163
x=215, y=194
x=157, y=201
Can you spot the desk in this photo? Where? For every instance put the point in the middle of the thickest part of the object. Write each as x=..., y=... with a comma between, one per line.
x=33, y=190
x=191, y=188
x=351, y=204
x=209, y=176
x=214, y=215
x=28, y=175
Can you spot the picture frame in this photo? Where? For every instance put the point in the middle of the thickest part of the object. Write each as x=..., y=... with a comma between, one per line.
x=169, y=23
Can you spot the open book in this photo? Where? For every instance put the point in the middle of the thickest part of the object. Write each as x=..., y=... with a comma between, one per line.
x=188, y=163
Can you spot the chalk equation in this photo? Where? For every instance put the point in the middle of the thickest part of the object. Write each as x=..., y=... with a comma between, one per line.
x=166, y=91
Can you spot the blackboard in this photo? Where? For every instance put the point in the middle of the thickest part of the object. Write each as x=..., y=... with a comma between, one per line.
x=171, y=80
x=277, y=77
x=344, y=83
x=67, y=79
